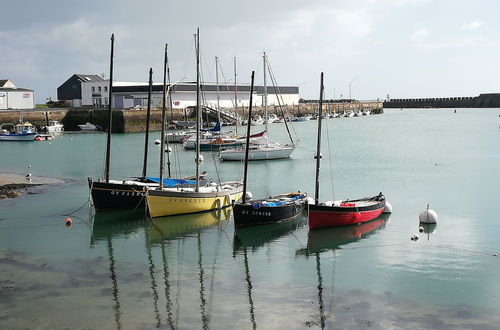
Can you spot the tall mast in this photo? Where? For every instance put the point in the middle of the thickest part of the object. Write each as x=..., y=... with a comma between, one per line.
x=247, y=146
x=146, y=139
x=265, y=92
x=217, y=82
x=198, y=112
x=162, y=138
x=170, y=106
x=318, y=145
x=110, y=115
x=235, y=96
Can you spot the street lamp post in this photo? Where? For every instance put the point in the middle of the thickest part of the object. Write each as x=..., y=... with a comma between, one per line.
x=350, y=87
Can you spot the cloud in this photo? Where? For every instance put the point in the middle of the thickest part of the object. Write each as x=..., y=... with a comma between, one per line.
x=419, y=34
x=474, y=25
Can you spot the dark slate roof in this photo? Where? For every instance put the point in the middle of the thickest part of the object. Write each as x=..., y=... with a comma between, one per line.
x=3, y=81
x=191, y=87
x=89, y=77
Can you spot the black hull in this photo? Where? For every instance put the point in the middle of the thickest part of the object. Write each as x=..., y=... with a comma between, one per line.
x=246, y=215
x=112, y=196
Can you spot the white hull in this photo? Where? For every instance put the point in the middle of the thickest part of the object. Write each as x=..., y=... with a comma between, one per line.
x=18, y=137
x=261, y=153
x=54, y=129
x=88, y=127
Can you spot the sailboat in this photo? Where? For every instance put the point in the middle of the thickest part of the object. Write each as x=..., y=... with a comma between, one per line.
x=263, y=151
x=269, y=210
x=111, y=194
x=165, y=201
x=340, y=213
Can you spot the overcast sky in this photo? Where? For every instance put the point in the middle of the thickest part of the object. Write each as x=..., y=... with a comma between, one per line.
x=404, y=48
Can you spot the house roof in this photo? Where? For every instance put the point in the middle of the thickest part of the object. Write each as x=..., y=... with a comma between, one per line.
x=89, y=77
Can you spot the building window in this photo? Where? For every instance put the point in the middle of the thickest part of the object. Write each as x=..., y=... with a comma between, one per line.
x=106, y=100
x=105, y=88
x=93, y=88
x=99, y=88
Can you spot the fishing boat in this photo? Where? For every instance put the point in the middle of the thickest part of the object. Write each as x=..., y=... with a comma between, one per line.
x=20, y=132
x=262, y=151
x=268, y=210
x=340, y=213
x=88, y=127
x=164, y=201
x=53, y=127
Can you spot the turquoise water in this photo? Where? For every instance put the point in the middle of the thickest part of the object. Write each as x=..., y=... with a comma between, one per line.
x=121, y=271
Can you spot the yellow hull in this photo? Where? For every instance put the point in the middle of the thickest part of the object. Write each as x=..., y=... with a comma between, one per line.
x=164, y=205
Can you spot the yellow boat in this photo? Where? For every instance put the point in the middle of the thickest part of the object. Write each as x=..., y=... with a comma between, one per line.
x=174, y=201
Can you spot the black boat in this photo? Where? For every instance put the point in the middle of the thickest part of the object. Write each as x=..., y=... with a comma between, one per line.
x=108, y=194
x=269, y=210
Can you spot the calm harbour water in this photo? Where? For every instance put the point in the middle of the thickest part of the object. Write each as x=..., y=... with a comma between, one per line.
x=119, y=270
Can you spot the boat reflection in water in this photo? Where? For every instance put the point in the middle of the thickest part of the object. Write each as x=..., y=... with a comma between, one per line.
x=169, y=286
x=105, y=227
x=331, y=239
x=173, y=227
x=335, y=237
x=255, y=237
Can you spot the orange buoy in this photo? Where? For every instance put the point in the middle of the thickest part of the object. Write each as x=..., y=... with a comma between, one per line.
x=68, y=222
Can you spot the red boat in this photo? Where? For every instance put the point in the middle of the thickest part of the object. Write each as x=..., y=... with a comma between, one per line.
x=346, y=212
x=343, y=213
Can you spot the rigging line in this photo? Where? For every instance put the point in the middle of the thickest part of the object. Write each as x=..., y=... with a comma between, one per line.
x=226, y=83
x=277, y=92
x=330, y=160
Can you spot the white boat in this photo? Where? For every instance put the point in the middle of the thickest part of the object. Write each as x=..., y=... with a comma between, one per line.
x=263, y=151
x=366, y=112
x=53, y=127
x=271, y=118
x=257, y=120
x=179, y=136
x=20, y=132
x=258, y=152
x=349, y=114
x=88, y=127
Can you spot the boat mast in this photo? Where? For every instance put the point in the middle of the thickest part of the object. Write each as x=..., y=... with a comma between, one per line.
x=198, y=112
x=247, y=146
x=148, y=115
x=235, y=97
x=110, y=93
x=162, y=138
x=171, y=107
x=318, y=145
x=265, y=92
x=217, y=82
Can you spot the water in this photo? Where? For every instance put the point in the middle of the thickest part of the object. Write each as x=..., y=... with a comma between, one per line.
x=121, y=271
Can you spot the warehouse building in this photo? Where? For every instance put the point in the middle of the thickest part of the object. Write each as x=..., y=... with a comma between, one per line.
x=92, y=91
x=12, y=97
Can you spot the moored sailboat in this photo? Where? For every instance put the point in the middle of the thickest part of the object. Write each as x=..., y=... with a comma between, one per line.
x=178, y=200
x=264, y=211
x=340, y=213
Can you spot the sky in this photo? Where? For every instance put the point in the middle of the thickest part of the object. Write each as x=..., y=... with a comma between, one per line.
x=367, y=48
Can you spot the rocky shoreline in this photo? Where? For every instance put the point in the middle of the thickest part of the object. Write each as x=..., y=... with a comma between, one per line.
x=14, y=185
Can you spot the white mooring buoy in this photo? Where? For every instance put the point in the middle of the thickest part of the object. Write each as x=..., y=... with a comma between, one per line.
x=168, y=149
x=388, y=208
x=200, y=159
x=248, y=195
x=428, y=216
x=157, y=142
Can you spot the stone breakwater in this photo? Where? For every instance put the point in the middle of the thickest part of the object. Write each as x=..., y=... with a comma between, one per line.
x=134, y=120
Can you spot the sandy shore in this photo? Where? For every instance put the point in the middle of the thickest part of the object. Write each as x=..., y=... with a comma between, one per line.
x=11, y=185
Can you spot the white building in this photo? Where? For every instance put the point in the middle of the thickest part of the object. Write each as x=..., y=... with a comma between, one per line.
x=12, y=97
x=92, y=91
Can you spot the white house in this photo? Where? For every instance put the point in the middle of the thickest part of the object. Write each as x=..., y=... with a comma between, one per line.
x=12, y=97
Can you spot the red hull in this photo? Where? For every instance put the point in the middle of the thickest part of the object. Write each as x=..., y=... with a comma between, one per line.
x=321, y=216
